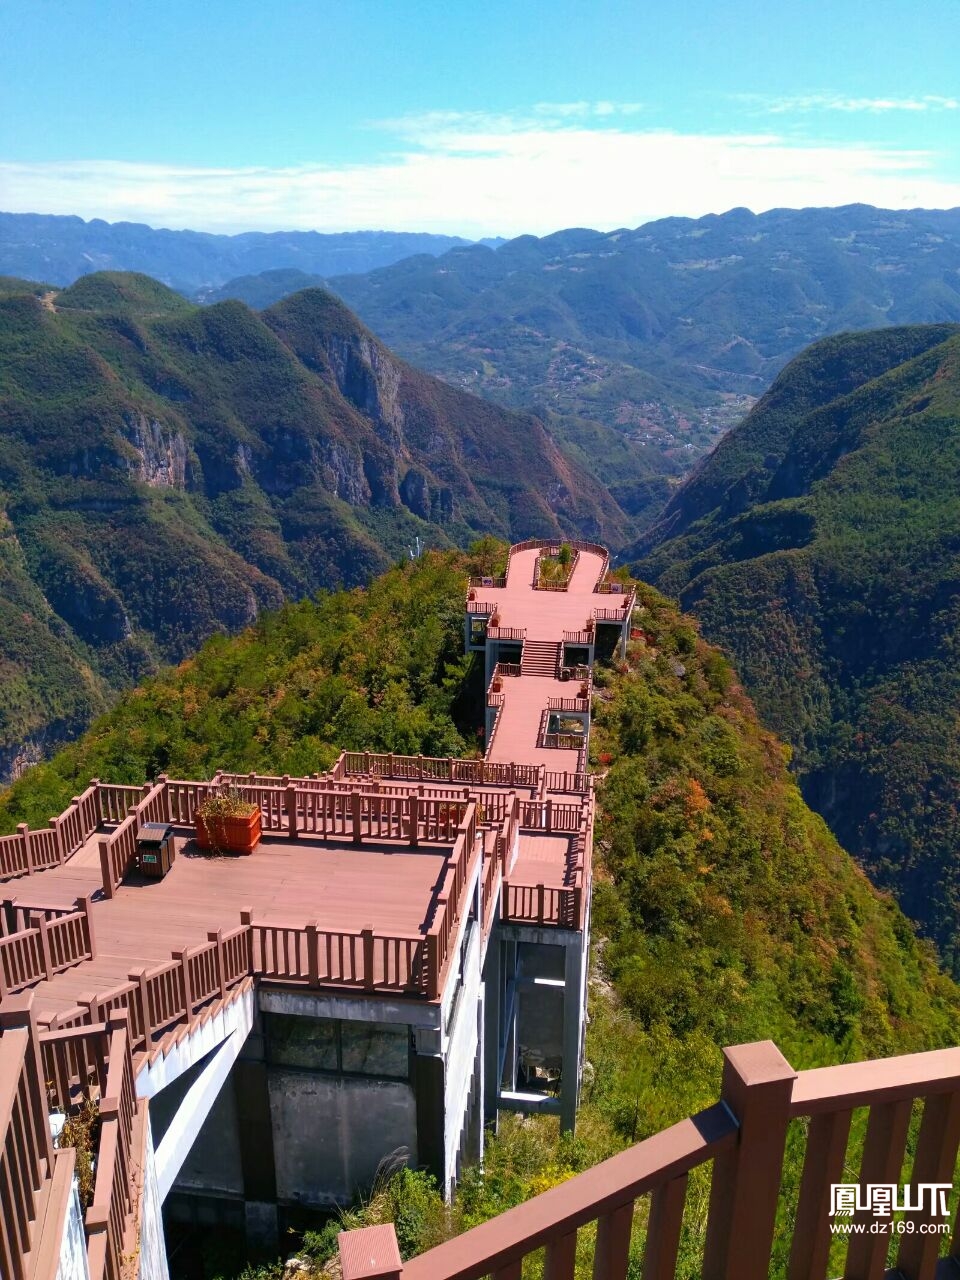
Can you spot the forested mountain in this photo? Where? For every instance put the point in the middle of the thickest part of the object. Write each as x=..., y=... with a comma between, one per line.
x=725, y=910
x=820, y=544
x=167, y=470
x=60, y=249
x=666, y=332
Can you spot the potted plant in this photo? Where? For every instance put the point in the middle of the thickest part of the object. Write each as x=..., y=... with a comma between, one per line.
x=227, y=823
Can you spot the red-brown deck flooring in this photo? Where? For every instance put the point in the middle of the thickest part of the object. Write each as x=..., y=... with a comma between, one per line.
x=390, y=888
x=544, y=615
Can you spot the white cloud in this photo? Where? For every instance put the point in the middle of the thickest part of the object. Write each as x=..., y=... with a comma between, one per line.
x=481, y=175
x=836, y=102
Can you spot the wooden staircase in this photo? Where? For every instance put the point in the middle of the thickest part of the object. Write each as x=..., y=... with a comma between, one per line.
x=541, y=658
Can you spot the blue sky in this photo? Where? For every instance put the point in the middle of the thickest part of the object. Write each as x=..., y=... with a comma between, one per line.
x=478, y=118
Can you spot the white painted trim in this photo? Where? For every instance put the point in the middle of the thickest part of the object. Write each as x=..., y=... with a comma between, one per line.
x=193, y=1110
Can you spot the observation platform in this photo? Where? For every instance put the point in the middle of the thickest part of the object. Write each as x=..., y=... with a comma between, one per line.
x=386, y=887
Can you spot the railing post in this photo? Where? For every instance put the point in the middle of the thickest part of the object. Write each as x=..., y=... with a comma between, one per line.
x=84, y=904
x=162, y=780
x=290, y=795
x=91, y=1002
x=40, y=922
x=368, y=975
x=23, y=831
x=217, y=937
x=370, y=1253
x=184, y=959
x=414, y=803
x=757, y=1086
x=433, y=965
x=139, y=976
x=246, y=919
x=105, y=873
x=57, y=837
x=356, y=808
x=313, y=954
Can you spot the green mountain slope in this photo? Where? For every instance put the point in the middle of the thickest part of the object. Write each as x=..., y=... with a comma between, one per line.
x=820, y=544
x=167, y=470
x=262, y=289
x=669, y=331
x=724, y=909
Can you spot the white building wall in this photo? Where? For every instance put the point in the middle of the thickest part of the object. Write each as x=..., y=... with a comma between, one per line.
x=73, y=1246
x=460, y=1052
x=153, y=1246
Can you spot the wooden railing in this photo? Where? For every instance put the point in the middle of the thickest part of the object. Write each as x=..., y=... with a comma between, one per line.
x=59, y=1070
x=26, y=1152
x=565, y=781
x=553, y=552
x=581, y=639
x=561, y=741
x=108, y=1217
x=51, y=943
x=30, y=851
x=494, y=583
x=117, y=852
x=568, y=704
x=743, y=1137
x=437, y=769
x=558, y=906
x=116, y=801
x=518, y=634
x=507, y=670
x=619, y=616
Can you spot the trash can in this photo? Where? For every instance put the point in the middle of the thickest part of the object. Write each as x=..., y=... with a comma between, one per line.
x=155, y=850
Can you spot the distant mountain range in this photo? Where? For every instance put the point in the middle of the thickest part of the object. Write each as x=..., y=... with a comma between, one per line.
x=640, y=348
x=820, y=544
x=166, y=470
x=61, y=249
x=667, y=332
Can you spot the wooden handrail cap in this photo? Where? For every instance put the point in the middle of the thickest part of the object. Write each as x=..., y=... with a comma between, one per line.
x=371, y=1253
x=758, y=1063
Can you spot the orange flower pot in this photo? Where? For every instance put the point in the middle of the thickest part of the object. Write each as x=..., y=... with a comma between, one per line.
x=229, y=835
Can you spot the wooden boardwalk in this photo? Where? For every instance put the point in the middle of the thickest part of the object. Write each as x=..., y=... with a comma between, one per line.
x=339, y=886
x=543, y=616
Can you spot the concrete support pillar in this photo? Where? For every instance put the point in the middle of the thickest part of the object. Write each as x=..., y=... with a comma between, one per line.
x=491, y=657
x=256, y=1153
x=429, y=1081
x=492, y=1029
x=512, y=1002
x=574, y=1012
